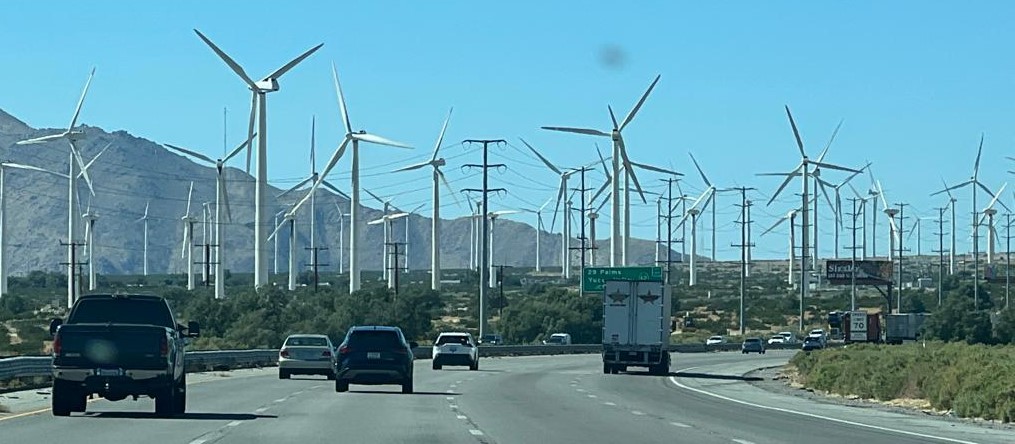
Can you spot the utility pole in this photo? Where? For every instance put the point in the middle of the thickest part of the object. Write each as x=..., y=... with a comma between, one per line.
x=72, y=283
x=485, y=229
x=315, y=264
x=745, y=244
x=1007, y=255
x=900, y=227
x=207, y=262
x=668, y=241
x=393, y=270
x=584, y=209
x=852, y=228
x=940, y=252
x=500, y=284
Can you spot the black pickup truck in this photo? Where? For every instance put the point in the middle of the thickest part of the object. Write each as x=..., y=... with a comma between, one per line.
x=117, y=346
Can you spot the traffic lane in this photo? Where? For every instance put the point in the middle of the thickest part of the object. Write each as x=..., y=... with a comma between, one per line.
x=540, y=399
x=900, y=426
x=210, y=406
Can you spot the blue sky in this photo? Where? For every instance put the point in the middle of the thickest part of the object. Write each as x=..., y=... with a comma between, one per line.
x=915, y=82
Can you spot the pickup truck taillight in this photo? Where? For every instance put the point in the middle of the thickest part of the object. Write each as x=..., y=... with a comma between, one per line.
x=57, y=346
x=283, y=353
x=164, y=347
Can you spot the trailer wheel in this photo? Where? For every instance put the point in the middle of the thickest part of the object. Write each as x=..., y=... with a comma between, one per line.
x=606, y=369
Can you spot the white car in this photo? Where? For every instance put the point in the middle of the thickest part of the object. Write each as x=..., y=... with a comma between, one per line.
x=820, y=335
x=455, y=349
x=558, y=339
x=303, y=354
x=715, y=340
x=790, y=337
x=777, y=339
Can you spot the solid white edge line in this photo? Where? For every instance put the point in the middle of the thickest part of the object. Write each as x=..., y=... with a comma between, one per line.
x=674, y=380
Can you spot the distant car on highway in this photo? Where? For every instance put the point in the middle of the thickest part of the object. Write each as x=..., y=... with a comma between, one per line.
x=374, y=355
x=306, y=354
x=752, y=345
x=558, y=339
x=790, y=337
x=777, y=339
x=813, y=343
x=820, y=335
x=715, y=340
x=491, y=339
x=455, y=349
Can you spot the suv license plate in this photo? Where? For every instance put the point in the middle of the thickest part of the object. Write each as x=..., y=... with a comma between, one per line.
x=109, y=372
x=373, y=355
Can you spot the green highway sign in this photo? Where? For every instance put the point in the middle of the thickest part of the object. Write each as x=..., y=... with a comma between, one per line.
x=594, y=278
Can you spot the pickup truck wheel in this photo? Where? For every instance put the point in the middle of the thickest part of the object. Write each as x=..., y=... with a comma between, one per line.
x=181, y=396
x=437, y=366
x=80, y=402
x=341, y=386
x=62, y=399
x=282, y=374
x=165, y=401
x=606, y=369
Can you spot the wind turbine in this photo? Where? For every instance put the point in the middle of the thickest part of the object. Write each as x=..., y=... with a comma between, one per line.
x=144, y=219
x=259, y=90
x=341, y=237
x=435, y=218
x=289, y=218
x=989, y=213
x=3, y=216
x=493, y=223
x=72, y=137
x=386, y=220
x=387, y=206
x=704, y=199
x=617, y=253
x=187, y=252
x=221, y=207
x=539, y=228
x=951, y=251
x=791, y=217
x=408, y=219
x=565, y=253
x=802, y=170
x=711, y=190
x=890, y=212
x=354, y=207
x=863, y=218
x=90, y=218
x=593, y=215
x=973, y=182
x=837, y=207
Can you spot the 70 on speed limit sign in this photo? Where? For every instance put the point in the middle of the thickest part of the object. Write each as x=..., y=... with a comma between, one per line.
x=858, y=326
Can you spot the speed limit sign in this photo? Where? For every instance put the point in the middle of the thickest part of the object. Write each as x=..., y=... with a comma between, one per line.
x=858, y=326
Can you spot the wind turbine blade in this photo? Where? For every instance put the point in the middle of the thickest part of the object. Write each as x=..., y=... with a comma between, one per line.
x=590, y=132
x=146, y=209
x=556, y=207
x=81, y=165
x=440, y=138
x=341, y=99
x=603, y=203
x=630, y=170
x=43, y=139
x=377, y=221
x=335, y=189
x=793, y=174
x=830, y=140
x=190, y=153
x=796, y=133
x=698, y=167
x=995, y=198
x=279, y=72
x=377, y=198
x=656, y=169
x=851, y=176
x=613, y=117
x=641, y=102
x=949, y=189
x=81, y=101
x=313, y=145
x=190, y=194
x=540, y=156
x=783, y=185
x=775, y=225
x=913, y=229
x=295, y=187
x=229, y=61
x=450, y=189
x=397, y=215
x=29, y=167
x=976, y=165
x=239, y=148
x=364, y=137
x=603, y=162
x=834, y=167
x=250, y=126
x=984, y=188
x=881, y=194
x=855, y=192
x=183, y=245
x=221, y=182
x=90, y=162
x=414, y=166
x=601, y=189
x=279, y=227
x=824, y=192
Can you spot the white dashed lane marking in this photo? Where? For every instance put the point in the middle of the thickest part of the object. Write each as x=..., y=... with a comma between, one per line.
x=680, y=424
x=234, y=424
x=280, y=400
x=475, y=432
x=198, y=441
x=636, y=412
x=611, y=404
x=261, y=410
x=462, y=417
x=742, y=441
x=450, y=398
x=592, y=396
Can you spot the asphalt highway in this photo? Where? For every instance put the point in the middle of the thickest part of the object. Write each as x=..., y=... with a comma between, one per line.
x=559, y=399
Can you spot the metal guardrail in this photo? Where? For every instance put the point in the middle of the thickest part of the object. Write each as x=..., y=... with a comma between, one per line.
x=33, y=366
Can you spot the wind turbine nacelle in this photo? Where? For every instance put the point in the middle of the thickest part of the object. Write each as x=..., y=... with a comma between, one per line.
x=267, y=85
x=75, y=135
x=440, y=162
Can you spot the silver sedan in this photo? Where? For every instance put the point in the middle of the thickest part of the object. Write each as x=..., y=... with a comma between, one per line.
x=305, y=354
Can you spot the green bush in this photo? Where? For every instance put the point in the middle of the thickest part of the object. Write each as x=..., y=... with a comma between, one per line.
x=971, y=380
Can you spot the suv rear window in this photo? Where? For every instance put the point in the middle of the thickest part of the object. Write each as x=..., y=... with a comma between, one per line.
x=375, y=339
x=453, y=339
x=304, y=341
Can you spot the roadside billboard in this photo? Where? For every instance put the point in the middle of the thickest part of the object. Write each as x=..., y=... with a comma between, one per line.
x=842, y=272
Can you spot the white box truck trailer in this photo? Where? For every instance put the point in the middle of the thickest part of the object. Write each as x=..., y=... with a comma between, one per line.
x=636, y=326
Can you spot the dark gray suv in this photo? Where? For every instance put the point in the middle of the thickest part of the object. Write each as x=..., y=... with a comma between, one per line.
x=755, y=345
x=374, y=355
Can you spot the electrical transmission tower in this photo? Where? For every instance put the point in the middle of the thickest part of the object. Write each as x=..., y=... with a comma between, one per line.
x=745, y=245
x=485, y=224
x=315, y=264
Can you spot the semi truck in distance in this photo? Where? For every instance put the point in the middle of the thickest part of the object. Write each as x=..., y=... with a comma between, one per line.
x=636, y=326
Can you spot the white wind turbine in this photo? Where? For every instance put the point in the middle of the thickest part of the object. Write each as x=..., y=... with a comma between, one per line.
x=187, y=248
x=221, y=206
x=435, y=218
x=259, y=90
x=802, y=170
x=539, y=229
x=408, y=220
x=289, y=218
x=988, y=213
x=72, y=137
x=144, y=219
x=973, y=182
x=863, y=218
x=387, y=206
x=565, y=251
x=712, y=190
x=493, y=222
x=341, y=237
x=704, y=199
x=386, y=221
x=354, y=207
x=837, y=206
x=618, y=256
x=90, y=218
x=890, y=212
x=951, y=251
x=3, y=216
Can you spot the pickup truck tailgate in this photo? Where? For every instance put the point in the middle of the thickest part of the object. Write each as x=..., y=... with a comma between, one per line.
x=125, y=346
